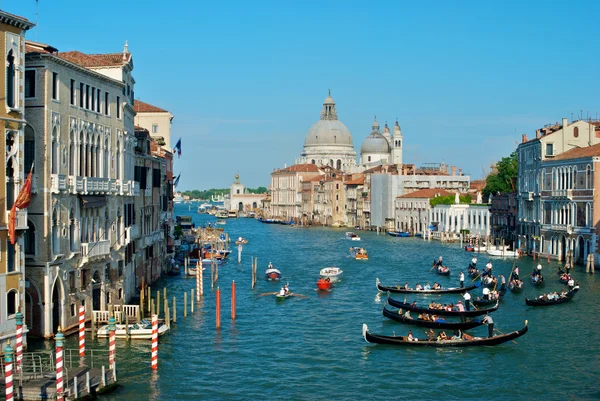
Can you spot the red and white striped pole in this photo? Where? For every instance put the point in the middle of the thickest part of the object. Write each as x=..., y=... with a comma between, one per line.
x=112, y=347
x=59, y=365
x=198, y=274
x=8, y=371
x=201, y=292
x=82, y=330
x=154, y=342
x=19, y=354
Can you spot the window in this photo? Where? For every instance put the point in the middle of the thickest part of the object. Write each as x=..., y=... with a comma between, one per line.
x=11, y=302
x=106, y=108
x=576, y=132
x=98, y=100
x=81, y=94
x=73, y=100
x=155, y=128
x=87, y=96
x=10, y=80
x=549, y=149
x=93, y=102
x=29, y=83
x=10, y=257
x=118, y=107
x=55, y=85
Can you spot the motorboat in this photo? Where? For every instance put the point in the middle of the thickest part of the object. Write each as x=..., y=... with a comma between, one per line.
x=272, y=274
x=398, y=233
x=332, y=273
x=352, y=236
x=359, y=253
x=137, y=331
x=324, y=284
x=502, y=253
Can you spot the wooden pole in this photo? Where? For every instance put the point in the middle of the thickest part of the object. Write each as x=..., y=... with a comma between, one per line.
x=167, y=317
x=152, y=310
x=158, y=302
x=174, y=310
x=192, y=301
x=233, y=300
x=185, y=304
x=218, y=307
x=165, y=292
x=127, y=326
x=149, y=296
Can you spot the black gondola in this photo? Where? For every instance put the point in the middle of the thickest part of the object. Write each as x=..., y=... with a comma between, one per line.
x=428, y=323
x=400, y=289
x=440, y=312
x=537, y=280
x=474, y=342
x=484, y=302
x=516, y=286
x=473, y=272
x=548, y=302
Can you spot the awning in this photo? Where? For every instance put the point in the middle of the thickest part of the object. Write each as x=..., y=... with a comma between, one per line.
x=92, y=201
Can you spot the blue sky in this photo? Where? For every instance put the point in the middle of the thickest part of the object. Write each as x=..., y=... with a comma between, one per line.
x=246, y=80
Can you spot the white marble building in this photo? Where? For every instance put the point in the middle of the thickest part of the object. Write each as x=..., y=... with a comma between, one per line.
x=453, y=218
x=378, y=148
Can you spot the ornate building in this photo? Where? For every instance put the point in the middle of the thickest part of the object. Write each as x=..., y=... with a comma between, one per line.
x=378, y=148
x=329, y=142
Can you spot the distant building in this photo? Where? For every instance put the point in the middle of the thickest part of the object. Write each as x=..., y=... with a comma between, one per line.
x=503, y=212
x=378, y=148
x=286, y=189
x=156, y=120
x=241, y=201
x=412, y=210
x=452, y=219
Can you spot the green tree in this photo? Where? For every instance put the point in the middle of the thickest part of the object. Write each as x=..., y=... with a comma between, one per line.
x=504, y=179
x=449, y=200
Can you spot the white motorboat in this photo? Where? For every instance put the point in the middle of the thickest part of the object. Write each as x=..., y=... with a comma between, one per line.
x=501, y=253
x=137, y=331
x=333, y=273
x=272, y=274
x=352, y=236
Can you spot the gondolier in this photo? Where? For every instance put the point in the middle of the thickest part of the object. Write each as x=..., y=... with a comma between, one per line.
x=538, y=270
x=474, y=262
x=486, y=293
x=461, y=279
x=467, y=298
x=488, y=268
x=490, y=324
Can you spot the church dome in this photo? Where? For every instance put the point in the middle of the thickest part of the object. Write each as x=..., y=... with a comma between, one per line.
x=375, y=142
x=328, y=130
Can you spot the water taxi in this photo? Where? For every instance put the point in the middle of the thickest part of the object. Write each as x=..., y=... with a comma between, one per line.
x=352, y=236
x=137, y=331
x=332, y=273
x=359, y=253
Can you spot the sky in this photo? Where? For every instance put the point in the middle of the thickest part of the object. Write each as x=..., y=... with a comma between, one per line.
x=246, y=80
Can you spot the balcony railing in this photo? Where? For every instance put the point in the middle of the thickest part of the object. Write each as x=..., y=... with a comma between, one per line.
x=135, y=188
x=58, y=183
x=133, y=232
x=94, y=249
x=21, y=222
x=95, y=185
x=125, y=187
x=562, y=193
x=76, y=184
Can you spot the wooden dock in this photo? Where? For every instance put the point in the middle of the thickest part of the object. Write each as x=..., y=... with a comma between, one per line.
x=37, y=381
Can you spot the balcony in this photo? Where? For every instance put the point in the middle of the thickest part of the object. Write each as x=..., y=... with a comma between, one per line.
x=562, y=194
x=58, y=182
x=528, y=196
x=147, y=191
x=135, y=191
x=95, y=185
x=133, y=232
x=95, y=249
x=21, y=222
x=125, y=187
x=76, y=185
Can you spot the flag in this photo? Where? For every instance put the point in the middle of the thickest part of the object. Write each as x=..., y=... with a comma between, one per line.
x=178, y=148
x=176, y=180
x=22, y=201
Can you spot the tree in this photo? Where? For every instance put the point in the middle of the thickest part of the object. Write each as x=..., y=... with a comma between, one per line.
x=504, y=179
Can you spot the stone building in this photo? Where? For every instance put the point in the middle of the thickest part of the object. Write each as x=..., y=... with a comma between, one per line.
x=354, y=187
x=503, y=212
x=80, y=135
x=286, y=190
x=452, y=219
x=156, y=120
x=378, y=148
x=12, y=113
x=240, y=200
x=412, y=210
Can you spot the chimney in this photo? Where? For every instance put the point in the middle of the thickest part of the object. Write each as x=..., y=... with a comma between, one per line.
x=538, y=133
x=564, y=123
x=442, y=168
x=524, y=138
x=453, y=170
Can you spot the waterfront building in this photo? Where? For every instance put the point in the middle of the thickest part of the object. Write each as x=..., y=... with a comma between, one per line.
x=240, y=200
x=354, y=188
x=12, y=264
x=156, y=120
x=549, y=142
x=503, y=212
x=452, y=219
x=286, y=196
x=329, y=141
x=378, y=148
x=167, y=216
x=80, y=135
x=412, y=210
x=310, y=193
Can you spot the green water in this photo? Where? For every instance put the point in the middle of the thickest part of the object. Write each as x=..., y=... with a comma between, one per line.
x=312, y=349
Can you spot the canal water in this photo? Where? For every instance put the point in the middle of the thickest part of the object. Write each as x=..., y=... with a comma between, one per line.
x=311, y=348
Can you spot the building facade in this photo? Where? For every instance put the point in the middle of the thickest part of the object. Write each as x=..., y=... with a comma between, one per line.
x=452, y=219
x=156, y=120
x=503, y=212
x=240, y=200
x=286, y=190
x=412, y=210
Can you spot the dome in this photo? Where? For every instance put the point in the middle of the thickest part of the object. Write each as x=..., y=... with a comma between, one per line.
x=375, y=142
x=328, y=132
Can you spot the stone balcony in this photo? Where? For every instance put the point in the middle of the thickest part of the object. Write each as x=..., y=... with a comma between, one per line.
x=76, y=184
x=136, y=188
x=96, y=185
x=133, y=232
x=21, y=222
x=58, y=183
x=95, y=249
x=562, y=194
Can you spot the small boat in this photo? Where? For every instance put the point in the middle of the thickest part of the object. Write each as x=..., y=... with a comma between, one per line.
x=469, y=248
x=537, y=280
x=398, y=233
x=439, y=323
x=440, y=312
x=281, y=297
x=332, y=273
x=544, y=301
x=564, y=277
x=501, y=253
x=401, y=289
x=241, y=241
x=473, y=272
x=464, y=342
x=489, y=281
x=442, y=270
x=221, y=222
x=359, y=253
x=352, y=236
x=515, y=286
x=324, y=284
x=486, y=302
x=137, y=331
x=272, y=274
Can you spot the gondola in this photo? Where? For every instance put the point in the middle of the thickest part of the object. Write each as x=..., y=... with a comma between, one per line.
x=440, y=312
x=428, y=323
x=548, y=302
x=400, y=289
x=473, y=272
x=484, y=302
x=563, y=277
x=474, y=342
x=442, y=270
x=538, y=280
x=517, y=287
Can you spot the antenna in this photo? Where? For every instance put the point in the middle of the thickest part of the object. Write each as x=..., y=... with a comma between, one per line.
x=37, y=24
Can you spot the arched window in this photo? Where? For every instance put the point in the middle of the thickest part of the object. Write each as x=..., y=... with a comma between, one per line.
x=54, y=151
x=576, y=132
x=105, y=161
x=339, y=164
x=10, y=80
x=72, y=241
x=29, y=148
x=11, y=302
x=29, y=239
x=10, y=184
x=72, y=153
x=81, y=155
x=55, y=233
x=331, y=162
x=313, y=161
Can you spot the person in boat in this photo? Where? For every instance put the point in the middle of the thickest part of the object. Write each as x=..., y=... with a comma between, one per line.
x=473, y=264
x=270, y=266
x=502, y=281
x=486, y=293
x=282, y=292
x=328, y=279
x=286, y=290
x=538, y=270
x=460, y=307
x=571, y=283
x=406, y=286
x=488, y=268
x=490, y=324
x=400, y=311
x=568, y=268
x=430, y=335
x=427, y=287
x=410, y=337
x=407, y=315
x=461, y=279
x=515, y=273
x=418, y=287
x=467, y=298
x=442, y=336
x=436, y=286
x=563, y=294
x=457, y=335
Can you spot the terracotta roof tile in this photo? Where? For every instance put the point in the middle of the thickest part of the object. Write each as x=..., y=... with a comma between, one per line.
x=95, y=60
x=427, y=193
x=577, y=153
x=300, y=168
x=143, y=107
x=357, y=181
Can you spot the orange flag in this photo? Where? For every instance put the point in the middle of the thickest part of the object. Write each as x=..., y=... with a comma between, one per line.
x=21, y=202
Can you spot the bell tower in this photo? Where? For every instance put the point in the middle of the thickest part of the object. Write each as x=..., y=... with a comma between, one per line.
x=397, y=145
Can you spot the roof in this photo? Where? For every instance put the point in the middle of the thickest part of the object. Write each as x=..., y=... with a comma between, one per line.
x=143, y=107
x=36, y=47
x=96, y=60
x=15, y=20
x=427, y=193
x=300, y=168
x=477, y=184
x=357, y=181
x=577, y=153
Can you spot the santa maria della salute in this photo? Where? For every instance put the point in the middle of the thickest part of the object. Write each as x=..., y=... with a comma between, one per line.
x=329, y=143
